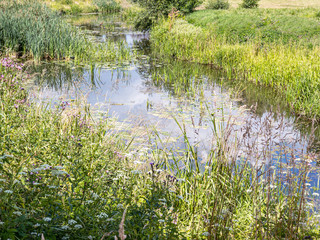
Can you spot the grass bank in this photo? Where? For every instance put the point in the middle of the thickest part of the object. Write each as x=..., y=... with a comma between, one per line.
x=266, y=47
x=30, y=29
x=67, y=174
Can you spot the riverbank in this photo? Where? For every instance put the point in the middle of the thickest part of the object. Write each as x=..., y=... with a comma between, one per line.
x=67, y=173
x=71, y=171
x=263, y=46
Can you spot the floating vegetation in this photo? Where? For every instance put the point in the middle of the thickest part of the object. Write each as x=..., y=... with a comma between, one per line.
x=70, y=173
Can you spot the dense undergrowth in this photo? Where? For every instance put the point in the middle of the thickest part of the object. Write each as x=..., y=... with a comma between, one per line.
x=68, y=175
x=84, y=6
x=267, y=50
x=29, y=28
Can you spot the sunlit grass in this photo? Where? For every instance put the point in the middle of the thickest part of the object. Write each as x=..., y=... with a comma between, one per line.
x=289, y=68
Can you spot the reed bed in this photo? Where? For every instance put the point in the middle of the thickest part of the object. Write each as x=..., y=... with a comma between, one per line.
x=29, y=28
x=291, y=69
x=66, y=173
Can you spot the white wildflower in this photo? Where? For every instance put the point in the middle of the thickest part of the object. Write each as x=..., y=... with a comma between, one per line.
x=47, y=219
x=315, y=194
x=102, y=215
x=109, y=219
x=272, y=186
x=90, y=237
x=249, y=190
x=50, y=186
x=161, y=220
x=8, y=191
x=138, y=162
x=36, y=225
x=78, y=226
x=65, y=227
x=71, y=222
x=89, y=201
x=18, y=213
x=95, y=196
x=65, y=238
x=58, y=173
x=207, y=234
x=59, y=167
x=1, y=223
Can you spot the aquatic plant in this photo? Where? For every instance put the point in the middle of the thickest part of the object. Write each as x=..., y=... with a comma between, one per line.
x=67, y=173
x=290, y=69
x=28, y=27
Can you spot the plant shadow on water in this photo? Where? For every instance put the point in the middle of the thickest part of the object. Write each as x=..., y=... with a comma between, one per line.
x=177, y=102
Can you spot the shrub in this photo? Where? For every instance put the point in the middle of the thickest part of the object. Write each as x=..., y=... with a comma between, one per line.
x=217, y=4
x=156, y=9
x=249, y=3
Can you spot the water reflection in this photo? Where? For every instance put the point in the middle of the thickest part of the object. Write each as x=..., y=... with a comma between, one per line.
x=151, y=92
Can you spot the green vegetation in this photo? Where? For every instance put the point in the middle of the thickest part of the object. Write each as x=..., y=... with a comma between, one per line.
x=84, y=6
x=155, y=10
x=108, y=6
x=67, y=174
x=29, y=27
x=217, y=4
x=249, y=3
x=264, y=46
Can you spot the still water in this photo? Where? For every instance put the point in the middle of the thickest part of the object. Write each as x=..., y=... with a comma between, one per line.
x=175, y=99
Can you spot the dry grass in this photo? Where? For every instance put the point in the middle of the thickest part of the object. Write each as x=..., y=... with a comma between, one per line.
x=282, y=3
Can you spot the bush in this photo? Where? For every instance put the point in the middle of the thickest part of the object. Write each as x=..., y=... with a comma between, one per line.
x=249, y=3
x=156, y=9
x=217, y=4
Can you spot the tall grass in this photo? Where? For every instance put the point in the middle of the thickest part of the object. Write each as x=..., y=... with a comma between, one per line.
x=29, y=27
x=290, y=69
x=69, y=175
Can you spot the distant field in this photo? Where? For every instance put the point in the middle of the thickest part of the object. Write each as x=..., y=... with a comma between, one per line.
x=282, y=3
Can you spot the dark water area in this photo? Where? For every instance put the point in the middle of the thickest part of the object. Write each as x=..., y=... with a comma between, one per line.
x=150, y=93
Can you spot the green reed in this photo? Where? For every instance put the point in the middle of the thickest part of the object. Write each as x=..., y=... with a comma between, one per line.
x=290, y=69
x=67, y=173
x=28, y=27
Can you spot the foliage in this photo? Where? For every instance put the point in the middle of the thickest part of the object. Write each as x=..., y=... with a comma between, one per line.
x=265, y=25
x=69, y=175
x=29, y=27
x=217, y=4
x=64, y=175
x=249, y=3
x=155, y=9
x=288, y=69
x=107, y=6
